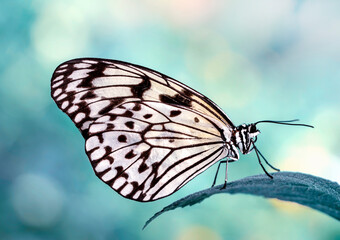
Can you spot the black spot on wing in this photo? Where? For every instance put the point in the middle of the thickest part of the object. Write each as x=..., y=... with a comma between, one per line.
x=145, y=155
x=137, y=107
x=119, y=170
x=88, y=95
x=142, y=167
x=113, y=104
x=127, y=114
x=113, y=117
x=108, y=149
x=146, y=116
x=176, y=100
x=130, y=124
x=187, y=92
x=175, y=113
x=130, y=155
x=124, y=175
x=85, y=83
x=100, y=138
x=110, y=126
x=139, y=89
x=122, y=138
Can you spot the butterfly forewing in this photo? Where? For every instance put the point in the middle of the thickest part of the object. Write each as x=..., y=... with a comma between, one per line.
x=85, y=89
x=146, y=134
x=146, y=151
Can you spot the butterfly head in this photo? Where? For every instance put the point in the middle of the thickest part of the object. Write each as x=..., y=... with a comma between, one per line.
x=245, y=136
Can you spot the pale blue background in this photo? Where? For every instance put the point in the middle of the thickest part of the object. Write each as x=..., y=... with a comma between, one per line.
x=256, y=59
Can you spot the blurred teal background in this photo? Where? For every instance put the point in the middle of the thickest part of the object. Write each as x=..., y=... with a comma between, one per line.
x=256, y=59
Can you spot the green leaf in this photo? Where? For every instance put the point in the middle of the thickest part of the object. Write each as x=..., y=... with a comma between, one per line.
x=314, y=192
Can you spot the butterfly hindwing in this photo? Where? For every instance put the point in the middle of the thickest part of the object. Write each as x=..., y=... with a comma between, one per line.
x=148, y=150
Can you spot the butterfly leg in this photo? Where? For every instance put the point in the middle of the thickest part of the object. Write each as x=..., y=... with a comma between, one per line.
x=276, y=169
x=226, y=176
x=259, y=159
x=218, y=168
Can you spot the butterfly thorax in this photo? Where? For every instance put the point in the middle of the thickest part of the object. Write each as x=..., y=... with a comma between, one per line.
x=243, y=136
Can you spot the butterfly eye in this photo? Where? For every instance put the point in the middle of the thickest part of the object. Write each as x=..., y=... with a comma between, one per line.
x=252, y=128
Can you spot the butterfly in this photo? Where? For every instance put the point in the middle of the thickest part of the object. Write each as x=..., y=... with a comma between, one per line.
x=146, y=134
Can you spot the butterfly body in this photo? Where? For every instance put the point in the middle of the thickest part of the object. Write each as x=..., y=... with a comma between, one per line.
x=244, y=136
x=146, y=134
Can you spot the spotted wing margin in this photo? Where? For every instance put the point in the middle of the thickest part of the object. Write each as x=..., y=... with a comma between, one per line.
x=148, y=150
x=88, y=88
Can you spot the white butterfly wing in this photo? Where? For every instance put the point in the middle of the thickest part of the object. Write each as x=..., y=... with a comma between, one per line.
x=148, y=150
x=85, y=89
x=146, y=134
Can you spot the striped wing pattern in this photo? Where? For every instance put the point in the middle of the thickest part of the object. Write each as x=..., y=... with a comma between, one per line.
x=146, y=134
x=146, y=151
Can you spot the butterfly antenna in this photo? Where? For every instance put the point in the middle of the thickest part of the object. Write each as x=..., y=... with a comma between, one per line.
x=258, y=157
x=287, y=122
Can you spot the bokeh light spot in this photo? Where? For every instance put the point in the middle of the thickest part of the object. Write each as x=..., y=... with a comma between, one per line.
x=198, y=233
x=311, y=159
x=60, y=32
x=288, y=207
x=37, y=200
